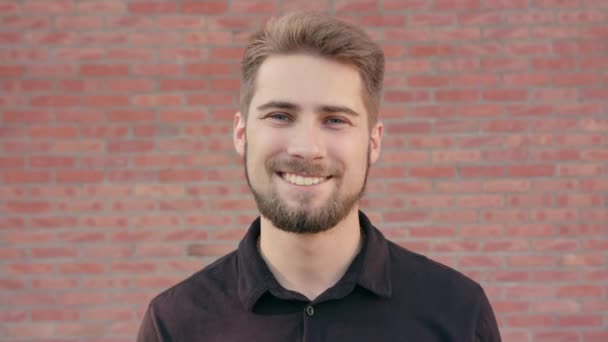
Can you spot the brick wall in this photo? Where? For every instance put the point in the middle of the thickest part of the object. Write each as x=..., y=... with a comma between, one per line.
x=118, y=175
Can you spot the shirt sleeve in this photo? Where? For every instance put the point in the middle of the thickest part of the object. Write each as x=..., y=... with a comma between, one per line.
x=486, y=329
x=148, y=331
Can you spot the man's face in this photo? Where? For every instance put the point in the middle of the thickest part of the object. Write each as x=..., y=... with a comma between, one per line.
x=306, y=142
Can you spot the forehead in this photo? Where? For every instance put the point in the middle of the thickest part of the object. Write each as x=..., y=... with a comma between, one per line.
x=308, y=81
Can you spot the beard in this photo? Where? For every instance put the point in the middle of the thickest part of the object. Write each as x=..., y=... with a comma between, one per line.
x=301, y=220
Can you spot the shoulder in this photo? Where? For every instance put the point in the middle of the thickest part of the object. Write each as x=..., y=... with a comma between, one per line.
x=214, y=282
x=428, y=275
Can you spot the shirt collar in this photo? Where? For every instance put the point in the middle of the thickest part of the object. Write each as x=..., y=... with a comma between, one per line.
x=371, y=268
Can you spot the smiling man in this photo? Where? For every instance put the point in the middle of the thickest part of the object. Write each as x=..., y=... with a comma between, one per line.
x=312, y=267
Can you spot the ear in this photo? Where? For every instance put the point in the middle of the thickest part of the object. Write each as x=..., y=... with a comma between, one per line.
x=239, y=134
x=375, y=140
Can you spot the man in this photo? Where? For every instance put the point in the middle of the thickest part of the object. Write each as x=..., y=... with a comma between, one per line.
x=312, y=267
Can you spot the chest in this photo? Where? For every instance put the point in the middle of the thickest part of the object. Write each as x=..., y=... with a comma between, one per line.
x=326, y=322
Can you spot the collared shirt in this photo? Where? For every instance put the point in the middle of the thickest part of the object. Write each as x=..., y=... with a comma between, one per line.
x=387, y=294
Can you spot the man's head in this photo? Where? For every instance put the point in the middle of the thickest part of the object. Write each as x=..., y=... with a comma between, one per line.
x=318, y=35
x=308, y=137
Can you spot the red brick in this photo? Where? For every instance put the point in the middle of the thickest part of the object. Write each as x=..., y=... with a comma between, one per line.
x=506, y=246
x=595, y=336
x=579, y=291
x=11, y=285
x=19, y=177
x=130, y=115
x=104, y=70
x=182, y=84
x=65, y=176
x=207, y=7
x=157, y=100
x=456, y=5
x=158, y=250
x=411, y=65
x=582, y=260
x=233, y=204
x=480, y=261
x=54, y=315
x=156, y=70
x=149, y=7
x=31, y=330
x=458, y=65
x=496, y=64
x=209, y=99
x=105, y=100
x=509, y=276
x=101, y=6
x=104, y=162
x=257, y=6
x=38, y=54
x=432, y=172
x=25, y=22
x=51, y=162
x=593, y=63
x=79, y=54
x=595, y=4
x=80, y=22
x=383, y=20
x=529, y=17
x=78, y=146
x=214, y=249
x=56, y=132
x=574, y=48
x=30, y=117
x=406, y=96
x=455, y=246
x=180, y=22
x=130, y=54
x=12, y=316
x=28, y=268
x=507, y=33
x=9, y=7
x=185, y=54
x=55, y=101
x=480, y=231
x=456, y=95
x=180, y=175
x=50, y=38
x=225, y=84
x=455, y=216
x=505, y=4
x=48, y=6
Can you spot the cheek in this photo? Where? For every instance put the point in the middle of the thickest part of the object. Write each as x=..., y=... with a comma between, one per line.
x=260, y=148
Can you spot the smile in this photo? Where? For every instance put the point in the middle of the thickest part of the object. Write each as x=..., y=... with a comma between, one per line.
x=301, y=180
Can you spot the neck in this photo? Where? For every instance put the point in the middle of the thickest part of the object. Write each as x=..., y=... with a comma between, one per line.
x=310, y=263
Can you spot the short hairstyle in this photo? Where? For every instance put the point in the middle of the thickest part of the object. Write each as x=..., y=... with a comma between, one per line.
x=319, y=35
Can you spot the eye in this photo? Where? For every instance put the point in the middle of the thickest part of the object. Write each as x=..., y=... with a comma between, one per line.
x=336, y=121
x=279, y=116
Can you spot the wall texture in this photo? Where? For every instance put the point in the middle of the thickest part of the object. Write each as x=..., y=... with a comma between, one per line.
x=118, y=175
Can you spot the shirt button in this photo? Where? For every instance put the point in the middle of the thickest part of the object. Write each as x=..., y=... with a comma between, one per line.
x=310, y=310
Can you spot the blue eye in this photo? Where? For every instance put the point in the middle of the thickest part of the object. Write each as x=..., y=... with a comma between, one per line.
x=279, y=116
x=336, y=121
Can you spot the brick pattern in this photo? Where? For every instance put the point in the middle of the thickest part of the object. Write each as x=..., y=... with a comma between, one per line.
x=118, y=176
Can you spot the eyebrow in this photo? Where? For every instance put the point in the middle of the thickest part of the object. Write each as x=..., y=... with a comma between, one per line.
x=319, y=109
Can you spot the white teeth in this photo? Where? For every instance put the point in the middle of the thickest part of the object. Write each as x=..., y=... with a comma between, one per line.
x=299, y=180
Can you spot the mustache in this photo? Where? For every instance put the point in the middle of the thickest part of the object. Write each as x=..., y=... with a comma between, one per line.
x=300, y=166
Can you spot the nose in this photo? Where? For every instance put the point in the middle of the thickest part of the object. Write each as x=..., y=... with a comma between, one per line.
x=306, y=141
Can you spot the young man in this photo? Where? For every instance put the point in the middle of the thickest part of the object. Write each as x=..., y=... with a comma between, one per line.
x=312, y=267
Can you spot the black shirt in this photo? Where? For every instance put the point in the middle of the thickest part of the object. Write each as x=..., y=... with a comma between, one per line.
x=387, y=294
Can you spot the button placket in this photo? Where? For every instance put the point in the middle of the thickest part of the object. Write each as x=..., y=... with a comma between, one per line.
x=310, y=310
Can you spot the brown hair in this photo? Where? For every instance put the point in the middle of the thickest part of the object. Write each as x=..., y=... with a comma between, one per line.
x=321, y=35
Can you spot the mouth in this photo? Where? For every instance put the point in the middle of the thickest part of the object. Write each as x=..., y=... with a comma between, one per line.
x=302, y=180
